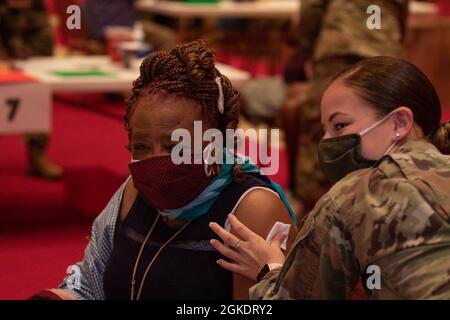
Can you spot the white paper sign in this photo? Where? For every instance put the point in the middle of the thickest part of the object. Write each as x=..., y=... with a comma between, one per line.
x=25, y=108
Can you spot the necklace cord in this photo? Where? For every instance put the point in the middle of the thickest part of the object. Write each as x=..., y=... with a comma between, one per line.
x=133, y=281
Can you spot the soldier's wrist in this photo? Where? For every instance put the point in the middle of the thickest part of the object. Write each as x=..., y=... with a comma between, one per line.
x=266, y=268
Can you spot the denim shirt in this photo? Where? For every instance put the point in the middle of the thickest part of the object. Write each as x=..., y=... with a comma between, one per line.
x=85, y=279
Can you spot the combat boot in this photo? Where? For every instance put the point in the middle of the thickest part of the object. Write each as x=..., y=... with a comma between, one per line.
x=38, y=164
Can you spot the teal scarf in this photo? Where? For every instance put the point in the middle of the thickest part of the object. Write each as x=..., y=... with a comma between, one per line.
x=205, y=200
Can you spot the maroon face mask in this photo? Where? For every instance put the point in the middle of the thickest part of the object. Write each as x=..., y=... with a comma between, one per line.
x=166, y=185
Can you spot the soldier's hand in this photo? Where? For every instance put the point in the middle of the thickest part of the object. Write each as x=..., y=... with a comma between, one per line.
x=248, y=251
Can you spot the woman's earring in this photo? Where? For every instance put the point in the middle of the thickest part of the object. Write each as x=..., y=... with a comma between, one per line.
x=397, y=136
x=207, y=161
x=209, y=170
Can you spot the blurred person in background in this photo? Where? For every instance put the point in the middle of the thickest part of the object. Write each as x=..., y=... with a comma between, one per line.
x=333, y=35
x=25, y=31
x=100, y=14
x=263, y=97
x=274, y=100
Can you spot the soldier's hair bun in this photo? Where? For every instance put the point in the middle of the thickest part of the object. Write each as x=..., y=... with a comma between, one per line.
x=441, y=138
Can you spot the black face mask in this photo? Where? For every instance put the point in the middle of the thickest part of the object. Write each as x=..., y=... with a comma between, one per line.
x=341, y=155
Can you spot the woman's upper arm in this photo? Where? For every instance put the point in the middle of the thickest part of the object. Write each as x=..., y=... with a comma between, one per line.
x=261, y=209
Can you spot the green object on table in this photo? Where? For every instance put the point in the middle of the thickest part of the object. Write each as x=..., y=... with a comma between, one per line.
x=202, y=1
x=82, y=73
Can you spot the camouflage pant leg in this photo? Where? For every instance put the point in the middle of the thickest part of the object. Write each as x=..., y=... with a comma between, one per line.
x=37, y=140
x=311, y=183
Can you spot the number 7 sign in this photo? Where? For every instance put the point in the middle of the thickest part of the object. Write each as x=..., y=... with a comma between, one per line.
x=25, y=108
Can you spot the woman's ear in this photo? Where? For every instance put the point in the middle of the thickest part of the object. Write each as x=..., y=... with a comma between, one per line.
x=403, y=119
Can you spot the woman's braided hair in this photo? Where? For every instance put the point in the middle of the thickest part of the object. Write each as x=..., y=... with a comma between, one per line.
x=188, y=71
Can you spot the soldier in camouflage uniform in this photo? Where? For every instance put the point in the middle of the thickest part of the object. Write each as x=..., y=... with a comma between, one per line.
x=406, y=234
x=334, y=35
x=25, y=31
x=385, y=219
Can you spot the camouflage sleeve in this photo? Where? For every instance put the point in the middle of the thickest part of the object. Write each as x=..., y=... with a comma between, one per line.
x=407, y=237
x=264, y=290
x=337, y=271
x=321, y=263
x=311, y=16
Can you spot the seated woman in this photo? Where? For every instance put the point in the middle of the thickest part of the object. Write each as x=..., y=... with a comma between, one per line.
x=152, y=239
x=386, y=220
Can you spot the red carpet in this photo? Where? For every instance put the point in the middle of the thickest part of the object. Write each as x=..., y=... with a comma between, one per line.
x=90, y=147
x=37, y=259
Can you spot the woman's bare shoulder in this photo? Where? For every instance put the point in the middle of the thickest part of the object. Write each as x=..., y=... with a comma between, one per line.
x=261, y=209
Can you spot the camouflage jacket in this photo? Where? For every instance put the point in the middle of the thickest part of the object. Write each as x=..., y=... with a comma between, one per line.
x=330, y=28
x=24, y=33
x=395, y=216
